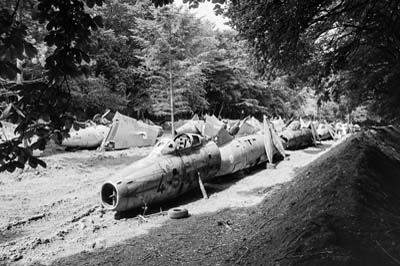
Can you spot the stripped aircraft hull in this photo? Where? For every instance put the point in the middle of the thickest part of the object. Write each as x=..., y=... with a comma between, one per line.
x=157, y=178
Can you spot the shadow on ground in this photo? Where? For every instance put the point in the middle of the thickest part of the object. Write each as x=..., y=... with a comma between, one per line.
x=196, y=240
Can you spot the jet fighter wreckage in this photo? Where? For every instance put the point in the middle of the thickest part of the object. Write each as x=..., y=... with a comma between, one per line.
x=201, y=151
x=178, y=165
x=122, y=132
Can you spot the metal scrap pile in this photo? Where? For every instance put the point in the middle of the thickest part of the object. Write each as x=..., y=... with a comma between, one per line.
x=200, y=151
x=295, y=135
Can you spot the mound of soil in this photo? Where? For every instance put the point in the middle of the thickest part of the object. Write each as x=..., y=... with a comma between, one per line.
x=343, y=209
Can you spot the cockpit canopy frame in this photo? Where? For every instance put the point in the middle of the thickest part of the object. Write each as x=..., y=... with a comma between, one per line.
x=183, y=141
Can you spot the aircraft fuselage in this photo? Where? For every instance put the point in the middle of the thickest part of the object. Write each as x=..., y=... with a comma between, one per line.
x=160, y=177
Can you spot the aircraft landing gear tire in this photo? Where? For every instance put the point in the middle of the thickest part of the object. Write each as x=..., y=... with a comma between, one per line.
x=178, y=213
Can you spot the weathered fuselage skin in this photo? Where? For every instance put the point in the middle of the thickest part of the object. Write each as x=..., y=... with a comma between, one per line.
x=157, y=178
x=89, y=137
x=242, y=153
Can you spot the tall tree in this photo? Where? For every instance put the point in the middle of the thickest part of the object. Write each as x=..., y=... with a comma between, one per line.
x=43, y=106
x=175, y=49
x=340, y=46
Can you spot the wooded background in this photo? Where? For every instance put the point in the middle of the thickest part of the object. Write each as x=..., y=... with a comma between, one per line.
x=62, y=62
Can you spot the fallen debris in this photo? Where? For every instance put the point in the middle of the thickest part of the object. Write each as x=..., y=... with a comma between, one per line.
x=127, y=132
x=178, y=213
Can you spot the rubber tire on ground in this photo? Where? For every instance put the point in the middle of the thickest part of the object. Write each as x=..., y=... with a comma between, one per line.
x=178, y=213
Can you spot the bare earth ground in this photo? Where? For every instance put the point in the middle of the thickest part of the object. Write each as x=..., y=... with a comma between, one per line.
x=53, y=215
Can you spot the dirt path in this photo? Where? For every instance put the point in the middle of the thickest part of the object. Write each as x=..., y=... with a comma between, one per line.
x=48, y=214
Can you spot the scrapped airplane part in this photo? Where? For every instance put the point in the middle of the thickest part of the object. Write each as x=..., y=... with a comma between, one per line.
x=127, y=132
x=178, y=213
x=157, y=178
x=277, y=140
x=216, y=130
x=179, y=123
x=233, y=127
x=212, y=126
x=192, y=126
x=89, y=137
x=304, y=124
x=293, y=125
x=325, y=131
x=268, y=143
x=151, y=123
x=100, y=120
x=202, y=188
x=108, y=115
x=195, y=117
x=297, y=139
x=342, y=129
x=174, y=167
x=314, y=133
x=278, y=124
x=249, y=126
x=332, y=132
x=242, y=153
